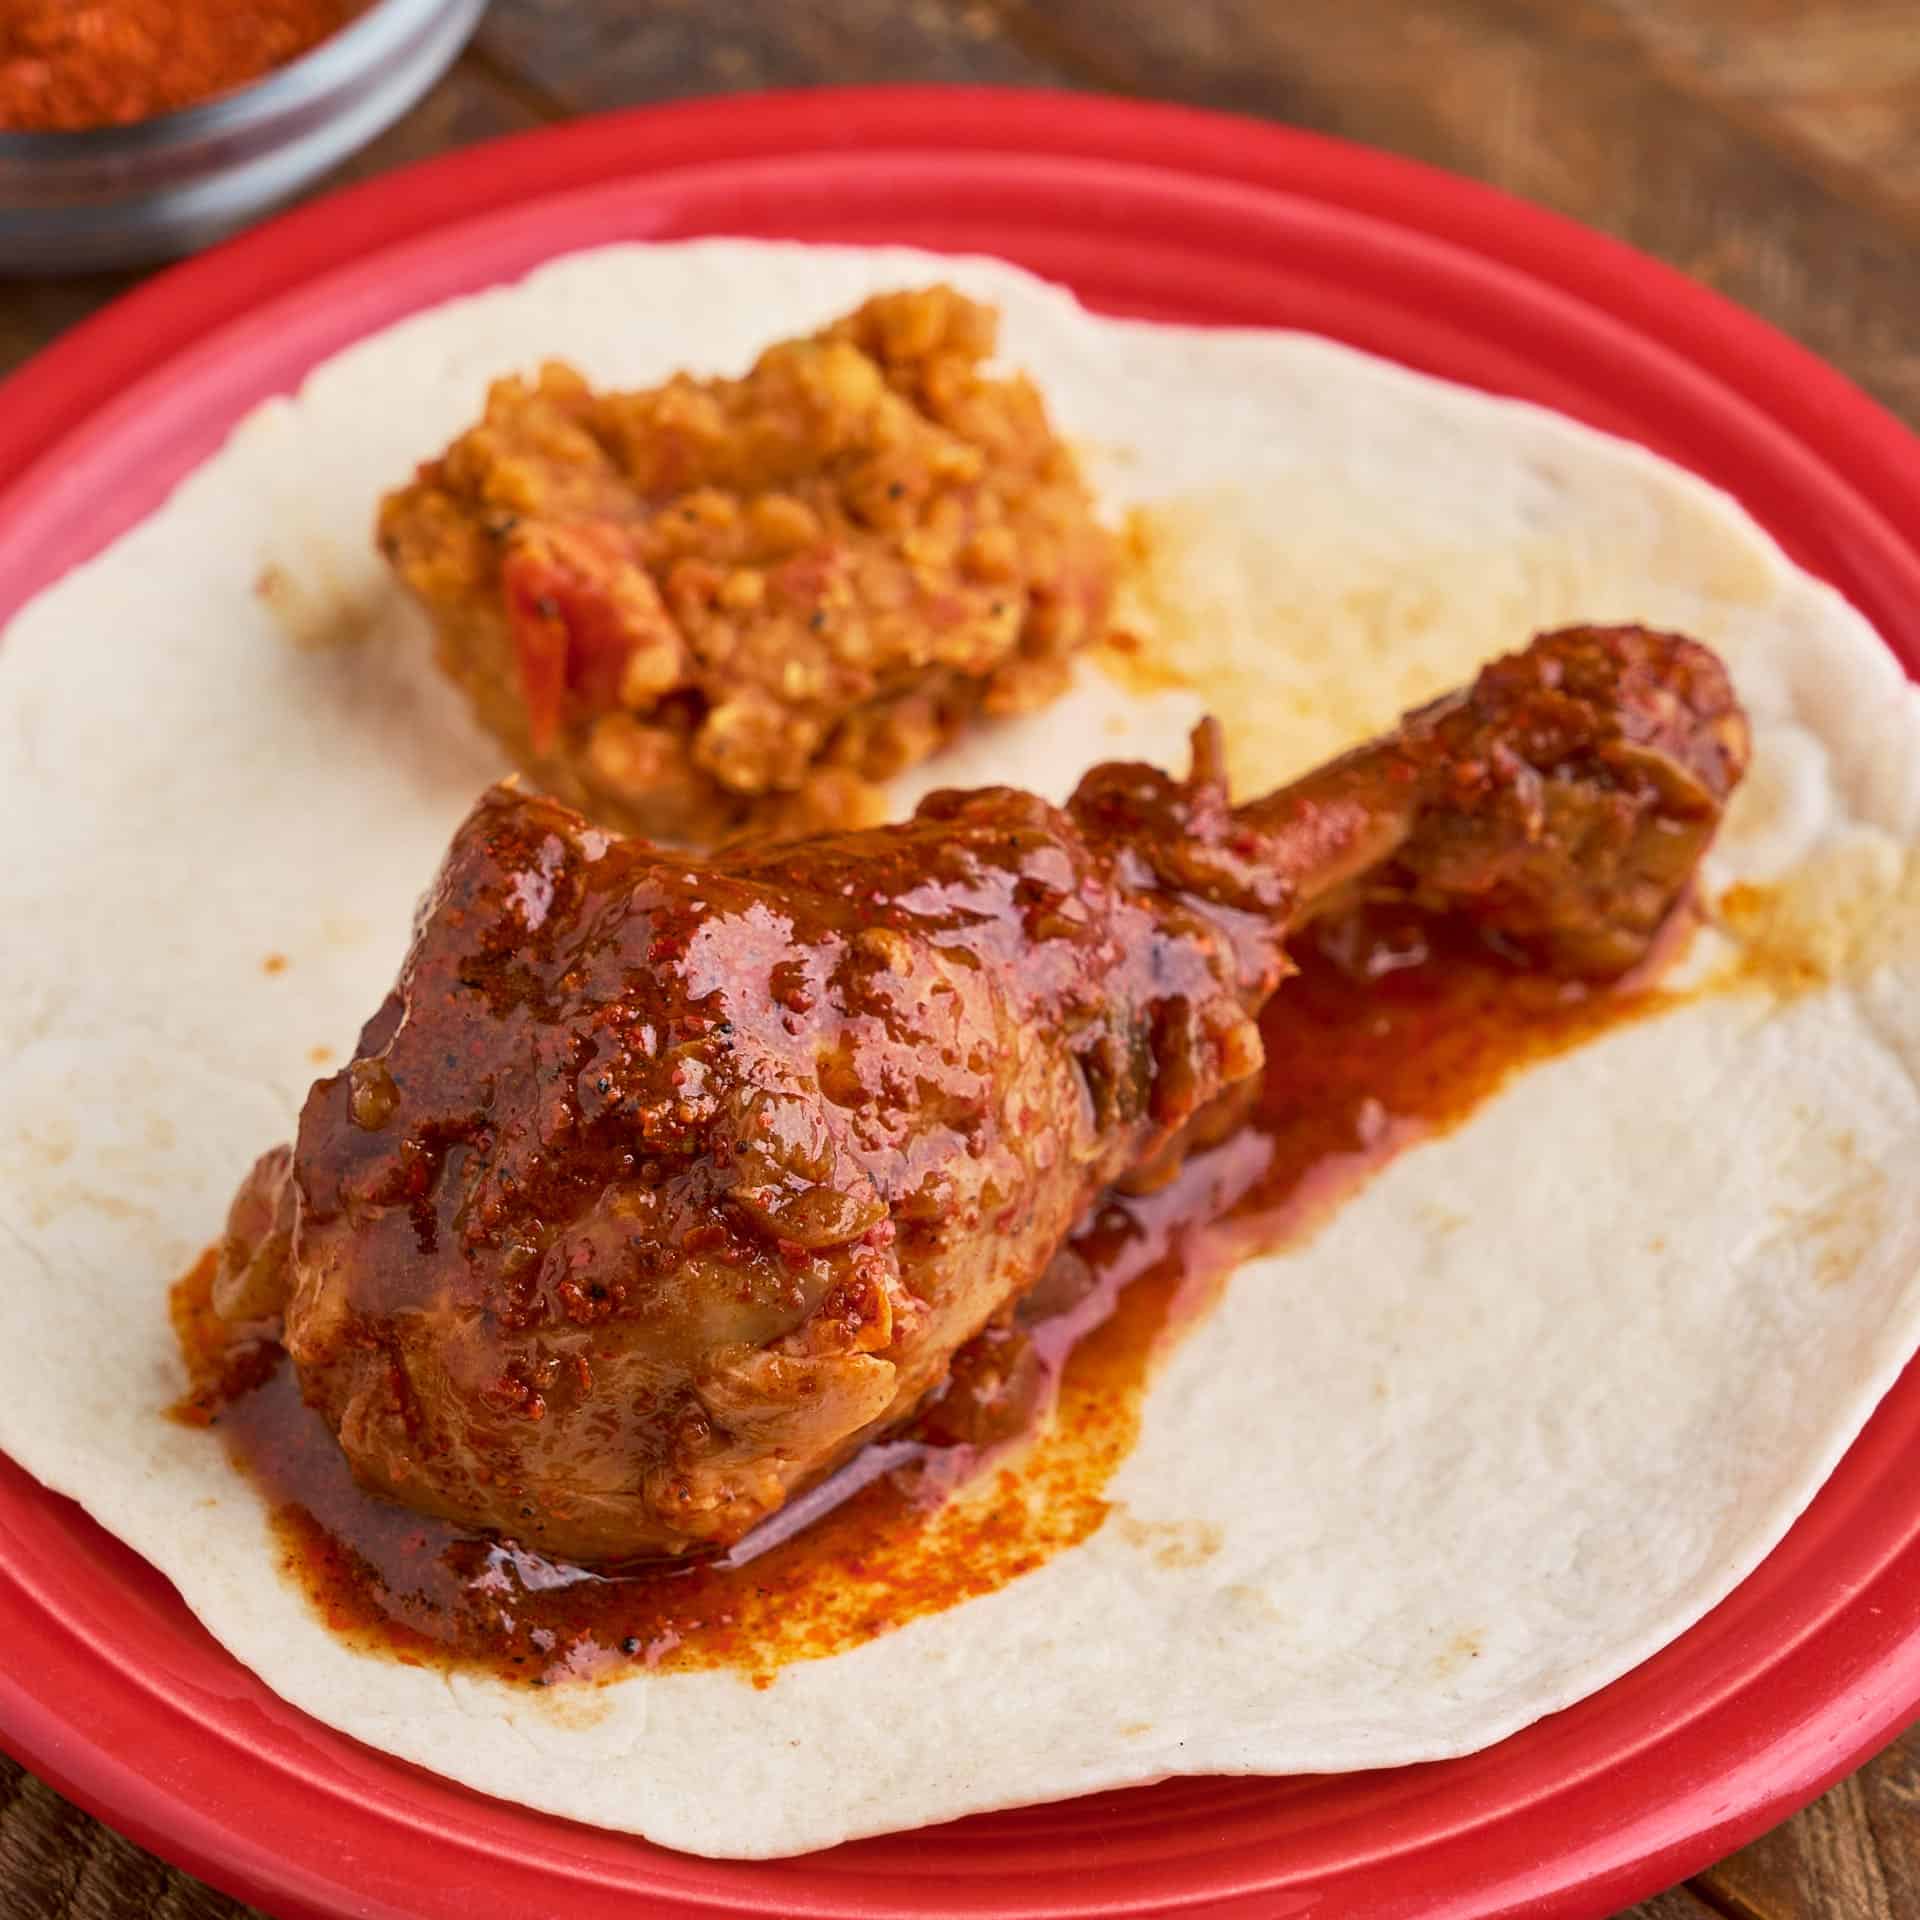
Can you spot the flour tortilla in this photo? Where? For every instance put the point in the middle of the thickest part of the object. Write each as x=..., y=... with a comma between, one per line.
x=1529, y=1406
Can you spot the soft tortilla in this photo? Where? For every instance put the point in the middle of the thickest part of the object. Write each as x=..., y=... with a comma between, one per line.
x=1526, y=1409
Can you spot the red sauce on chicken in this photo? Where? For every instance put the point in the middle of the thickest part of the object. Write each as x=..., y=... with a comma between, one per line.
x=1390, y=1034
x=669, y=1201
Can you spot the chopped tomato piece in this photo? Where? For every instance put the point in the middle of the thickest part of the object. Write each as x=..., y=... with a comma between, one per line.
x=582, y=611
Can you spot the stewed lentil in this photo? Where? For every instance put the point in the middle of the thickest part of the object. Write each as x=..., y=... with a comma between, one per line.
x=719, y=605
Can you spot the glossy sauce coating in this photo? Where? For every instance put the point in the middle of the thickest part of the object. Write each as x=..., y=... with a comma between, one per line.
x=660, y=1189
x=1387, y=1036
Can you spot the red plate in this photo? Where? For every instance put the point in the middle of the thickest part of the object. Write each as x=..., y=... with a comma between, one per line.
x=113, y=1692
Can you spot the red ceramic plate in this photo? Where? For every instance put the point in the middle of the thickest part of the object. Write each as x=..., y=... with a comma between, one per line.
x=111, y=1690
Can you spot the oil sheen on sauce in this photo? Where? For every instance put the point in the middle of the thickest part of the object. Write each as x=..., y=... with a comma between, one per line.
x=1388, y=1035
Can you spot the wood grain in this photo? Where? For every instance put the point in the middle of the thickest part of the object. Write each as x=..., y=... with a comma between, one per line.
x=1854, y=1852
x=1678, y=1903
x=1569, y=102
x=1838, y=84
x=622, y=54
x=57, y=1864
x=1770, y=147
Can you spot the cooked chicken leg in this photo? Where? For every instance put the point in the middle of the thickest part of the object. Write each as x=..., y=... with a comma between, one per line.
x=660, y=1185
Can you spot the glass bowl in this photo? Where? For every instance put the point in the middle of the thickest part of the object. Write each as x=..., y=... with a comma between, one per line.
x=154, y=189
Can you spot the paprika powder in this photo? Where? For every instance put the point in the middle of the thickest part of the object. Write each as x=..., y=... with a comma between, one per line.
x=66, y=65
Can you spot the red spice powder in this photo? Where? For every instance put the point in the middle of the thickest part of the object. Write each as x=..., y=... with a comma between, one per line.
x=69, y=64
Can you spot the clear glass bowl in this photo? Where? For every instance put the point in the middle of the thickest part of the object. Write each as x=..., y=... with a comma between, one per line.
x=127, y=196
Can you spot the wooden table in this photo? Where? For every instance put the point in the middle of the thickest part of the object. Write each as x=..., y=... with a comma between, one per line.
x=1769, y=147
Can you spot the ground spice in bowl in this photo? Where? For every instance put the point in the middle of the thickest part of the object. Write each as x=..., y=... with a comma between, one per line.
x=66, y=67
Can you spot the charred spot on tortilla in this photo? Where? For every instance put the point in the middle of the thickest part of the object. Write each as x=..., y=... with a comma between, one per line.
x=691, y=1182
x=719, y=605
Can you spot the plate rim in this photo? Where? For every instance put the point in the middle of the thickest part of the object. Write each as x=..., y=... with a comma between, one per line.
x=71, y=385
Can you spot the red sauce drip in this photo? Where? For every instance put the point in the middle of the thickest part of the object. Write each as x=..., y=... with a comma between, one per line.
x=1388, y=1036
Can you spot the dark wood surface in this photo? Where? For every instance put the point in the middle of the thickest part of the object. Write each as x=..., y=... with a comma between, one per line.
x=1769, y=147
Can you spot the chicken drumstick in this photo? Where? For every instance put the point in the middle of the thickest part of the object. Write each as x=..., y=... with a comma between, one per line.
x=659, y=1185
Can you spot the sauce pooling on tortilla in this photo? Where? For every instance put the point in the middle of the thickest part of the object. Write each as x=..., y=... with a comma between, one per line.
x=1390, y=1034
